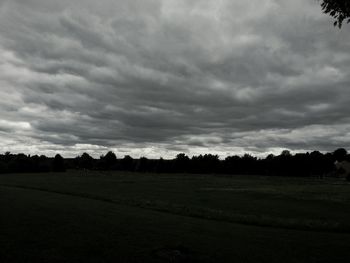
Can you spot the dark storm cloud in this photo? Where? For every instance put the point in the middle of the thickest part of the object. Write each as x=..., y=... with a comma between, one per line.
x=158, y=77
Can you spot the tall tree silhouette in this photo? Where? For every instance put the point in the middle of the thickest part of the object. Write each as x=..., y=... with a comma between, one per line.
x=58, y=164
x=109, y=160
x=85, y=161
x=340, y=154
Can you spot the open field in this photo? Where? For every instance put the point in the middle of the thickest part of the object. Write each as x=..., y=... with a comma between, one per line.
x=121, y=217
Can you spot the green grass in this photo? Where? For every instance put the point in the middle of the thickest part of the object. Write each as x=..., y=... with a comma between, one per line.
x=123, y=217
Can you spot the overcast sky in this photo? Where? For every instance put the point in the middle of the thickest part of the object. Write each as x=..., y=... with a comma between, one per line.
x=158, y=77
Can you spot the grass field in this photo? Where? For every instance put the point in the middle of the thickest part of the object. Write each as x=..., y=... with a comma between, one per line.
x=125, y=217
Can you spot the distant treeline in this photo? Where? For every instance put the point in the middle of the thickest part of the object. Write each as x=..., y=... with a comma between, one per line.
x=285, y=164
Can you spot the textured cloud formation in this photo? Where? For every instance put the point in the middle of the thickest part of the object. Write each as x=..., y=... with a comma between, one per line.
x=158, y=77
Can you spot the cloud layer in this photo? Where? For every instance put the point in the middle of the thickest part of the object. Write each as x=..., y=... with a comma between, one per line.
x=158, y=77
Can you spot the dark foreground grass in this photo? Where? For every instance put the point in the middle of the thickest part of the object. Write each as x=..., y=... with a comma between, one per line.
x=172, y=218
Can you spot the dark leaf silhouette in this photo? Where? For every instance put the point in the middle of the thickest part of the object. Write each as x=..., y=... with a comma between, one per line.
x=338, y=9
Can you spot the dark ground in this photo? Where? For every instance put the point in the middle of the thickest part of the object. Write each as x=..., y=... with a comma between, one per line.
x=97, y=217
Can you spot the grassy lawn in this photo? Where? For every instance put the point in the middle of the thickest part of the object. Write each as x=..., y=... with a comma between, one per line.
x=121, y=217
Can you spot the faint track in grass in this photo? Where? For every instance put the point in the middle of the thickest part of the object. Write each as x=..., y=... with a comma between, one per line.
x=204, y=213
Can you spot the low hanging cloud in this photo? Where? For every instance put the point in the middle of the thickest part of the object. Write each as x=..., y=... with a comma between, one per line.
x=155, y=78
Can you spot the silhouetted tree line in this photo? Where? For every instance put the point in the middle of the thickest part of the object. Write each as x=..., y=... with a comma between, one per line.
x=21, y=163
x=285, y=164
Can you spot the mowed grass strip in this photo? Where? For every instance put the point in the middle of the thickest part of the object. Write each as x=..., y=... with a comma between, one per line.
x=298, y=203
x=208, y=213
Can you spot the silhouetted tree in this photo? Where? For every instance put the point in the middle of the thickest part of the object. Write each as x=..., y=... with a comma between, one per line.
x=20, y=163
x=232, y=164
x=286, y=153
x=58, y=164
x=85, y=161
x=340, y=154
x=109, y=161
x=127, y=163
x=207, y=163
x=338, y=9
x=181, y=163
